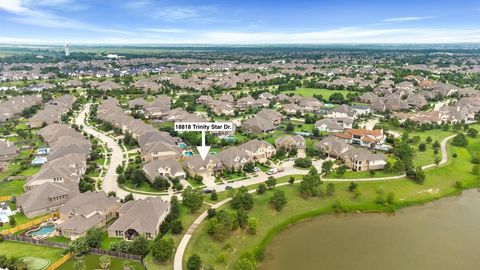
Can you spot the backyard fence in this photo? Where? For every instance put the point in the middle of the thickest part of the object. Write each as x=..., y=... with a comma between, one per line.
x=5, y=198
x=29, y=224
x=39, y=242
x=58, y=263
x=116, y=254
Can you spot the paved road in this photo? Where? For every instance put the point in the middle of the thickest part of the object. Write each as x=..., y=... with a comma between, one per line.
x=109, y=182
x=180, y=252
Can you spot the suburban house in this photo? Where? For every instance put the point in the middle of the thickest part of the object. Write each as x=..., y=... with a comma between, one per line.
x=245, y=102
x=15, y=105
x=52, y=112
x=160, y=151
x=334, y=124
x=291, y=109
x=85, y=211
x=8, y=151
x=167, y=168
x=355, y=158
x=194, y=165
x=363, y=137
x=233, y=158
x=259, y=151
x=271, y=115
x=258, y=124
x=46, y=198
x=290, y=142
x=140, y=217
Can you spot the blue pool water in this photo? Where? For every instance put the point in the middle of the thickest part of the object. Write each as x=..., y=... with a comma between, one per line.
x=182, y=145
x=42, y=231
x=188, y=153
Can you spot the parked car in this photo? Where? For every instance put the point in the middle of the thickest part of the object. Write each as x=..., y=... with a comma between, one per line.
x=272, y=171
x=228, y=187
x=207, y=191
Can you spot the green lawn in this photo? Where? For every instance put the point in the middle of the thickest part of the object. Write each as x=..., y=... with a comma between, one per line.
x=20, y=218
x=91, y=262
x=59, y=239
x=107, y=241
x=439, y=182
x=30, y=171
x=19, y=250
x=326, y=93
x=10, y=171
x=187, y=219
x=11, y=187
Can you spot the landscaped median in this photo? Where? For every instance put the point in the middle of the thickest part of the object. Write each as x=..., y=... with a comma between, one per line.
x=371, y=197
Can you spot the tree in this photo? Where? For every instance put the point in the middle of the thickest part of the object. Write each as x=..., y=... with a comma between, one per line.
x=112, y=194
x=79, y=246
x=422, y=147
x=12, y=221
x=271, y=182
x=327, y=167
x=390, y=197
x=460, y=140
x=140, y=245
x=290, y=127
x=192, y=199
x=162, y=249
x=429, y=139
x=352, y=187
x=471, y=132
x=341, y=170
x=436, y=145
x=242, y=218
x=176, y=226
x=330, y=189
x=160, y=183
x=278, y=200
x=476, y=169
x=94, y=238
x=309, y=186
x=252, y=226
x=291, y=180
x=249, y=167
x=128, y=197
x=303, y=162
x=104, y=261
x=337, y=98
x=261, y=189
x=242, y=199
x=213, y=195
x=246, y=262
x=194, y=262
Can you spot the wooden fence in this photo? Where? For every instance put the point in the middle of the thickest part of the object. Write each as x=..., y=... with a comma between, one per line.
x=58, y=263
x=29, y=224
x=5, y=198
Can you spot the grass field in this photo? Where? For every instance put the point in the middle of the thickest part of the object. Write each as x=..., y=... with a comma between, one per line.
x=91, y=262
x=19, y=250
x=439, y=182
x=11, y=187
x=326, y=93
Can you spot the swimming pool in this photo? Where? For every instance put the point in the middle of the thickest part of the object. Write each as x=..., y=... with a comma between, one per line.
x=188, y=153
x=182, y=145
x=42, y=231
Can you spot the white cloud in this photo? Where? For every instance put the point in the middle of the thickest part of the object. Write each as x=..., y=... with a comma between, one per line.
x=163, y=30
x=350, y=35
x=30, y=12
x=408, y=19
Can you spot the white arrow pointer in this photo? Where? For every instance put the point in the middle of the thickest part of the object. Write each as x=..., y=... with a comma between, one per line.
x=203, y=150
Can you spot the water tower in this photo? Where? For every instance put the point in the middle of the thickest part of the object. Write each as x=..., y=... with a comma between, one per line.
x=67, y=50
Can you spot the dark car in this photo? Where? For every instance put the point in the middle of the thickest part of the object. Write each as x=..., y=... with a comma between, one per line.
x=228, y=187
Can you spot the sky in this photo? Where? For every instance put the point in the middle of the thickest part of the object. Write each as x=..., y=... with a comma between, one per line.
x=238, y=22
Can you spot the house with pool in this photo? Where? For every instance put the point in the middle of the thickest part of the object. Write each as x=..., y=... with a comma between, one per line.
x=85, y=211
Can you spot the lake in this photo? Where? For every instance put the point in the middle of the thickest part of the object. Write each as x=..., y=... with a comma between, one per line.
x=444, y=234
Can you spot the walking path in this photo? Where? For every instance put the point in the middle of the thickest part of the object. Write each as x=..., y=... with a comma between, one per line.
x=178, y=260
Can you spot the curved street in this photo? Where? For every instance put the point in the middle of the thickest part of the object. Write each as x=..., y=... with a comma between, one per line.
x=109, y=182
x=180, y=252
